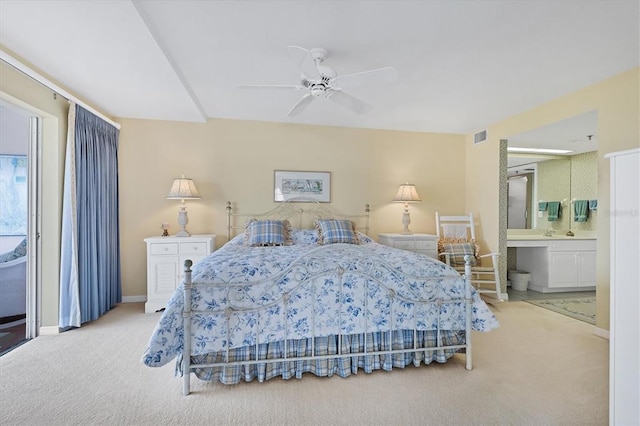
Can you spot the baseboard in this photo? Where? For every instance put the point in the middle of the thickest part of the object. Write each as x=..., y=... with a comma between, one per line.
x=600, y=332
x=134, y=299
x=49, y=330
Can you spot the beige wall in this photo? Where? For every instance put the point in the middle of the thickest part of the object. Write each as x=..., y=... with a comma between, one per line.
x=232, y=160
x=617, y=101
x=19, y=89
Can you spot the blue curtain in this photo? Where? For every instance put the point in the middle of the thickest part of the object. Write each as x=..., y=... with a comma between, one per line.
x=90, y=282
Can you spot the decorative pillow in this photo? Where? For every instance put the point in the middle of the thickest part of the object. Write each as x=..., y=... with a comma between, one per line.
x=332, y=231
x=21, y=249
x=8, y=256
x=457, y=252
x=268, y=232
x=16, y=253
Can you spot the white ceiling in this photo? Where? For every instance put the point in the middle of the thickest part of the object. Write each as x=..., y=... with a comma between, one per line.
x=462, y=65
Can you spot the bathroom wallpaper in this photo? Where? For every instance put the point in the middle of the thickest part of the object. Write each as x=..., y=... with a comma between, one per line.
x=584, y=186
x=554, y=184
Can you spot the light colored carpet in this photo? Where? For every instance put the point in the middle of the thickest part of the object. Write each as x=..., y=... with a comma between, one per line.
x=580, y=308
x=538, y=368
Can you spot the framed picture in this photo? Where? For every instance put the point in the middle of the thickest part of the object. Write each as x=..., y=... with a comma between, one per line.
x=13, y=195
x=302, y=186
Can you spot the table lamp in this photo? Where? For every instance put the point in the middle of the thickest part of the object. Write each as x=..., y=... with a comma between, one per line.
x=406, y=194
x=183, y=189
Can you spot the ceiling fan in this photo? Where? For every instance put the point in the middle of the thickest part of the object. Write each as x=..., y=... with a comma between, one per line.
x=321, y=81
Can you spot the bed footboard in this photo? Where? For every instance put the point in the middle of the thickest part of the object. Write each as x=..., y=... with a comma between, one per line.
x=311, y=272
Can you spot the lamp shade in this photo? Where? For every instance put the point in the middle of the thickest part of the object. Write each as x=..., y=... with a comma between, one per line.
x=183, y=189
x=407, y=194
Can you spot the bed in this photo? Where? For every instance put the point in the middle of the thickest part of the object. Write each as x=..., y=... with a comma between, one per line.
x=326, y=300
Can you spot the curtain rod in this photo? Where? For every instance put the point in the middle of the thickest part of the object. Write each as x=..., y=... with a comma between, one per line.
x=51, y=85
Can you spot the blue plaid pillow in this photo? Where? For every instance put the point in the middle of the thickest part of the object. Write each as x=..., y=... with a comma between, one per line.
x=268, y=232
x=331, y=231
x=457, y=252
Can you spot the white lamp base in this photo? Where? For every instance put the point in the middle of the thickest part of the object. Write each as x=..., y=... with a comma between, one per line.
x=183, y=219
x=406, y=220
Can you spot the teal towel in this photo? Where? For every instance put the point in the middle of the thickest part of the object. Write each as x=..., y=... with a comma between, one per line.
x=553, y=211
x=593, y=204
x=580, y=211
x=542, y=206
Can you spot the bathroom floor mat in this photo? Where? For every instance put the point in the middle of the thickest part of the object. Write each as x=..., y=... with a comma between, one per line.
x=580, y=308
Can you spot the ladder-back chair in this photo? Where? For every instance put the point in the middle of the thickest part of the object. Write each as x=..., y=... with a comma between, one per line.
x=457, y=238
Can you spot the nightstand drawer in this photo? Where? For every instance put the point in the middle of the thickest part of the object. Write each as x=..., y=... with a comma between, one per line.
x=405, y=245
x=419, y=243
x=426, y=245
x=163, y=248
x=194, y=248
x=429, y=253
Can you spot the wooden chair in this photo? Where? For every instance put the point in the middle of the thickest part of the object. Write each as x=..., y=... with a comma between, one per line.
x=457, y=238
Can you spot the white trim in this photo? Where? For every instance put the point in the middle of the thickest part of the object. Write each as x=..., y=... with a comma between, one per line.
x=49, y=330
x=601, y=332
x=134, y=299
x=51, y=85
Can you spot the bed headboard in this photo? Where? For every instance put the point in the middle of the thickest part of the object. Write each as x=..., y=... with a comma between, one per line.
x=301, y=214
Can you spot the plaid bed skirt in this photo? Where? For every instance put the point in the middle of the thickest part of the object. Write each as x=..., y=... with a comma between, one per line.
x=343, y=366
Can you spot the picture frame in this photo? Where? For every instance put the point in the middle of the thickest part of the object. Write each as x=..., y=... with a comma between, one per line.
x=301, y=186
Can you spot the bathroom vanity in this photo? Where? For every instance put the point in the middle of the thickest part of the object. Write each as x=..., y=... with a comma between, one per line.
x=556, y=263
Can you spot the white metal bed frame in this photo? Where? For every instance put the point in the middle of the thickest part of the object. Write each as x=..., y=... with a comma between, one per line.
x=307, y=270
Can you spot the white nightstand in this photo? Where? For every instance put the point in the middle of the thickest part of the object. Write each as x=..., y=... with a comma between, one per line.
x=165, y=264
x=419, y=243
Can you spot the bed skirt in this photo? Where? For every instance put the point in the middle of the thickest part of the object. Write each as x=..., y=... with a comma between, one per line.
x=244, y=363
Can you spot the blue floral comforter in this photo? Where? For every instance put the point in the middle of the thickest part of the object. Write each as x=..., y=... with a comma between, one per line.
x=245, y=295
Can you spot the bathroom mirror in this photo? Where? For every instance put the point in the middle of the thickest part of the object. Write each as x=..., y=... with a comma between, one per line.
x=535, y=177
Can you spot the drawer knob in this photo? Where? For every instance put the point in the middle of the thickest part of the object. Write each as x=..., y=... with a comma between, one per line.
x=166, y=249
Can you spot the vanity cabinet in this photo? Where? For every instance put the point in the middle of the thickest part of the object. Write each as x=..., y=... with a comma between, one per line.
x=572, y=263
x=558, y=265
x=165, y=265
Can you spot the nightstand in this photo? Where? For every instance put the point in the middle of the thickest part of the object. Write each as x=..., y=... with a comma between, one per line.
x=165, y=264
x=419, y=243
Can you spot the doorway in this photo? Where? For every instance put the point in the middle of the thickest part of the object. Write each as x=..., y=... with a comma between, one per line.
x=19, y=224
x=519, y=201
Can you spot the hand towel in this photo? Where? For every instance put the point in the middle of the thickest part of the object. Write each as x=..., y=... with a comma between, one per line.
x=542, y=206
x=580, y=211
x=553, y=211
x=593, y=204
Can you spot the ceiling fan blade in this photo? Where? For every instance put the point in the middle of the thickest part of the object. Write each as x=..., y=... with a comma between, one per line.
x=348, y=101
x=305, y=62
x=368, y=78
x=270, y=86
x=301, y=105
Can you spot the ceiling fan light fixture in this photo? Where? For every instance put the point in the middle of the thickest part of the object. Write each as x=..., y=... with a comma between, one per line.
x=318, y=90
x=323, y=82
